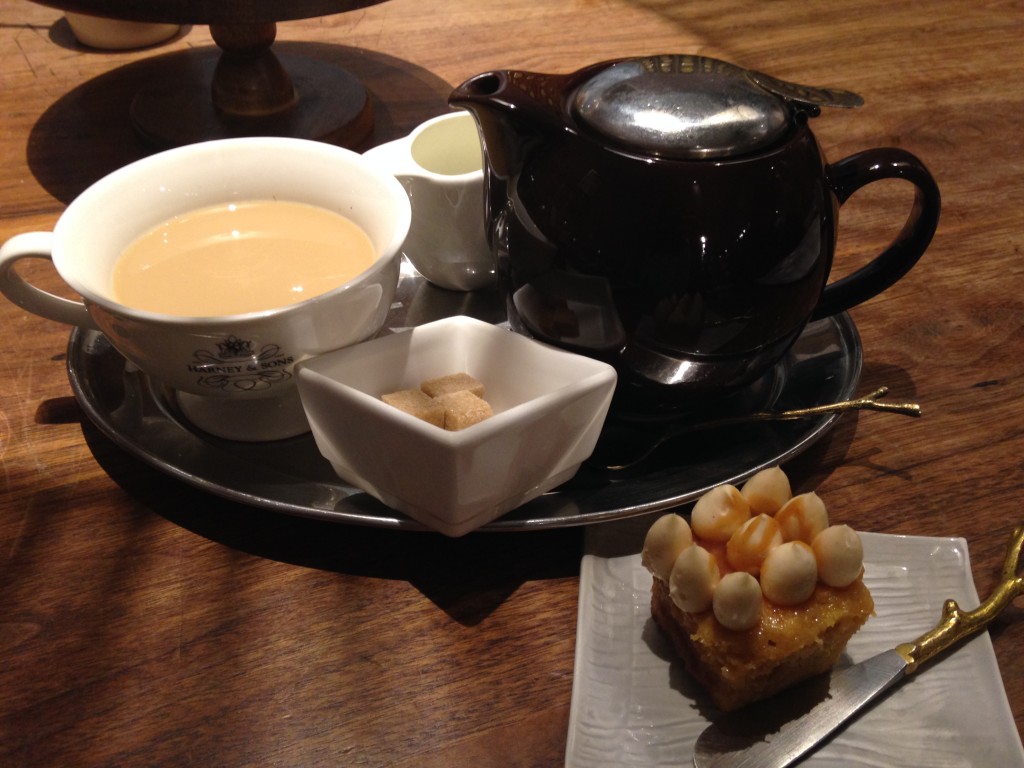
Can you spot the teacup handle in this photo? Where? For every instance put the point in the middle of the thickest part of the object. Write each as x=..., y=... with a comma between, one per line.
x=37, y=245
x=846, y=177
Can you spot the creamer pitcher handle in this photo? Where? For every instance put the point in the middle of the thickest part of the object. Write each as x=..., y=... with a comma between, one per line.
x=856, y=171
x=37, y=245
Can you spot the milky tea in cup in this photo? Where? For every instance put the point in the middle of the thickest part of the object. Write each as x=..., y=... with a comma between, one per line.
x=227, y=362
x=236, y=258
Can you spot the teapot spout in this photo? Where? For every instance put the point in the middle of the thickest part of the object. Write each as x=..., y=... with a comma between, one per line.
x=485, y=87
x=512, y=110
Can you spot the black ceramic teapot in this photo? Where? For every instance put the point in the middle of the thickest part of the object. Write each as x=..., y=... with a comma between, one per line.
x=674, y=216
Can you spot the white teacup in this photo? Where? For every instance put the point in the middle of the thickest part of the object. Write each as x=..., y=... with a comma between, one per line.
x=440, y=164
x=232, y=374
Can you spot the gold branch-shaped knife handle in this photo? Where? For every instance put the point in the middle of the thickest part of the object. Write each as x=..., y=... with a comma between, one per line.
x=647, y=446
x=958, y=624
x=868, y=402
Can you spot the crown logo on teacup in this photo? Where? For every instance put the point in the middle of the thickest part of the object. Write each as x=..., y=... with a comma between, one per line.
x=233, y=348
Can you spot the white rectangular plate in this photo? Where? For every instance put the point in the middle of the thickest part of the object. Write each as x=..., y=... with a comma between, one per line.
x=632, y=704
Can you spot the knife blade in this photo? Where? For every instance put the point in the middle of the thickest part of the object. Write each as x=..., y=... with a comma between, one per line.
x=774, y=737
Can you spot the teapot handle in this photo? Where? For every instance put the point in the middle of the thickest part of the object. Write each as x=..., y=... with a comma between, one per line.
x=846, y=177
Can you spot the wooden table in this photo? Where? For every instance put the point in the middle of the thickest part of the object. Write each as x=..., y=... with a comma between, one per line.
x=143, y=622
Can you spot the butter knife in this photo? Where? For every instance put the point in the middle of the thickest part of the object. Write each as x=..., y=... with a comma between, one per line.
x=772, y=739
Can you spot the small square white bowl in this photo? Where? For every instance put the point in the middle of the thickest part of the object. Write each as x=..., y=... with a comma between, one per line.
x=549, y=408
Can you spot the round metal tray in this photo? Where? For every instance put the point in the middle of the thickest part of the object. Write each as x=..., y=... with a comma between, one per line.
x=290, y=476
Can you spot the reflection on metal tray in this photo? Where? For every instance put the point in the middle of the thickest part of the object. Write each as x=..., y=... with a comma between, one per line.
x=291, y=477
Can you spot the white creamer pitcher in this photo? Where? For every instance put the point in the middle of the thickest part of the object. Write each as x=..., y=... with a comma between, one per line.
x=440, y=164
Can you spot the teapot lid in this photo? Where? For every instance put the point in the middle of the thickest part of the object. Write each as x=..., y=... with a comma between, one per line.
x=694, y=107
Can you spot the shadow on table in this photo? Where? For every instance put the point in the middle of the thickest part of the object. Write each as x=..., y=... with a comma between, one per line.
x=87, y=133
x=468, y=577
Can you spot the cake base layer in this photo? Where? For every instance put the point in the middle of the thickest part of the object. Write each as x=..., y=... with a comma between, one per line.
x=789, y=645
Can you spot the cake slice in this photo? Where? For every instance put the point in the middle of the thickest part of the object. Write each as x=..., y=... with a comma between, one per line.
x=749, y=606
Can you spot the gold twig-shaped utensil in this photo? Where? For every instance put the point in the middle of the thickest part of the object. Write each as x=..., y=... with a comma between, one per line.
x=957, y=624
x=869, y=402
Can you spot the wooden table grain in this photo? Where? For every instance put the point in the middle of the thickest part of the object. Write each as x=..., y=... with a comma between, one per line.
x=143, y=622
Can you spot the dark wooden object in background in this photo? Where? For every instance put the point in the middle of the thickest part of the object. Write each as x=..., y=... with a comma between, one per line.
x=245, y=89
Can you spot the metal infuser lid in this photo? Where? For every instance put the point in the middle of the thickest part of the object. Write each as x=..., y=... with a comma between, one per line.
x=694, y=107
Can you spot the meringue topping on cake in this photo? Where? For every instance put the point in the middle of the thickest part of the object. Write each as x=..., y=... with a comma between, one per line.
x=767, y=491
x=840, y=555
x=783, y=552
x=802, y=518
x=789, y=573
x=668, y=536
x=694, y=578
x=748, y=547
x=737, y=601
x=719, y=513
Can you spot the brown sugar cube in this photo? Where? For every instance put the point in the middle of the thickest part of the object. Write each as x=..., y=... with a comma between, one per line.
x=463, y=409
x=418, y=404
x=454, y=382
